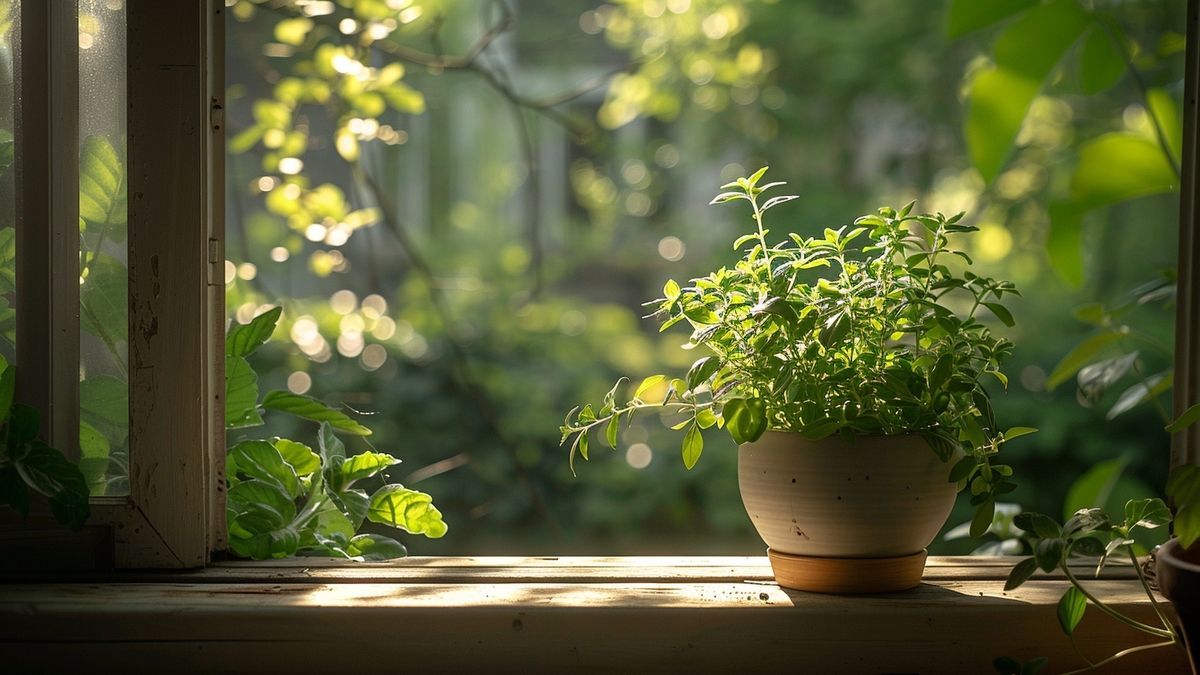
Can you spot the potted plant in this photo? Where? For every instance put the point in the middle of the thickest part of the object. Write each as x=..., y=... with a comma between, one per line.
x=850, y=368
x=1092, y=533
x=1177, y=562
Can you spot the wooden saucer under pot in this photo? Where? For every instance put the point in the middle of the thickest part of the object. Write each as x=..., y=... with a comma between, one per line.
x=848, y=575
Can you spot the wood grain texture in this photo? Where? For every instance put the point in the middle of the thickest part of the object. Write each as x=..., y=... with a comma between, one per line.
x=577, y=614
x=168, y=519
x=510, y=569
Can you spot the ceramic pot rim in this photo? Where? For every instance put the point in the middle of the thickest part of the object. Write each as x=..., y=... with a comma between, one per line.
x=1169, y=553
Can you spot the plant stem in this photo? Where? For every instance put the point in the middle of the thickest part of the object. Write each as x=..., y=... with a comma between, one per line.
x=1144, y=93
x=1123, y=652
x=1150, y=594
x=762, y=236
x=1112, y=612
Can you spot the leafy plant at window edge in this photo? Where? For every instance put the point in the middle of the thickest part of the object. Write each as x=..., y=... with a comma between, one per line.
x=285, y=498
x=1090, y=533
x=885, y=341
x=27, y=463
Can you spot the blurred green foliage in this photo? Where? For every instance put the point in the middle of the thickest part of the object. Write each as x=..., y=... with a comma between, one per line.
x=461, y=243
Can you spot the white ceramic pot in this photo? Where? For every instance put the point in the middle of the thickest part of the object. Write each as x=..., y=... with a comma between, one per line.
x=874, y=497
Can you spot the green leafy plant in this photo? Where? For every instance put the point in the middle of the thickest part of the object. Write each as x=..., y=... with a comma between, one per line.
x=27, y=463
x=285, y=498
x=1091, y=533
x=872, y=329
x=1087, y=46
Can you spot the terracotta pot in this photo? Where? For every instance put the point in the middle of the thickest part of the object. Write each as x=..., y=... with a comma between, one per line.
x=845, y=516
x=1178, y=575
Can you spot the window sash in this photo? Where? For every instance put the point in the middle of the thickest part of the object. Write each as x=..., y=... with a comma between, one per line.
x=1185, y=445
x=174, y=514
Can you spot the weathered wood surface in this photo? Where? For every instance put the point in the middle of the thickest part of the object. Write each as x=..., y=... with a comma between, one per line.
x=495, y=569
x=169, y=518
x=546, y=614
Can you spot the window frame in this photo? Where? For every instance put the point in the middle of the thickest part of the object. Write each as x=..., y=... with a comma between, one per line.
x=174, y=516
x=1185, y=445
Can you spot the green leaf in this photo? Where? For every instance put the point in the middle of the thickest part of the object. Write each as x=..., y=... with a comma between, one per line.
x=1038, y=524
x=671, y=290
x=1187, y=524
x=241, y=394
x=354, y=503
x=1070, y=609
x=1183, y=485
x=1144, y=170
x=102, y=186
x=727, y=197
x=693, y=445
x=836, y=327
x=23, y=425
x=260, y=459
x=330, y=525
x=701, y=315
x=1049, y=553
x=648, y=384
x=278, y=543
x=1025, y=53
x=104, y=299
x=1017, y=432
x=965, y=16
x=1020, y=573
x=311, y=409
x=1147, y=513
x=1162, y=106
x=1083, y=353
x=7, y=151
x=406, y=509
x=293, y=31
x=610, y=431
x=1187, y=419
x=8, y=258
x=330, y=445
x=376, y=547
x=1141, y=392
x=983, y=517
x=1100, y=63
x=365, y=465
x=266, y=505
x=745, y=419
x=47, y=471
x=243, y=339
x=1001, y=313
x=94, y=450
x=104, y=403
x=701, y=370
x=245, y=139
x=8, y=385
x=963, y=468
x=302, y=459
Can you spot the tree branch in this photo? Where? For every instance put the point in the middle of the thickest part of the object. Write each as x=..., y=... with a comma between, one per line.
x=460, y=363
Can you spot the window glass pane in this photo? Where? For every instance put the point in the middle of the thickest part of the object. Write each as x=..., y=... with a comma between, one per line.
x=461, y=214
x=9, y=11
x=103, y=278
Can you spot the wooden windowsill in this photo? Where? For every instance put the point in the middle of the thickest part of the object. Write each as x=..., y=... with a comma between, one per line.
x=637, y=614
